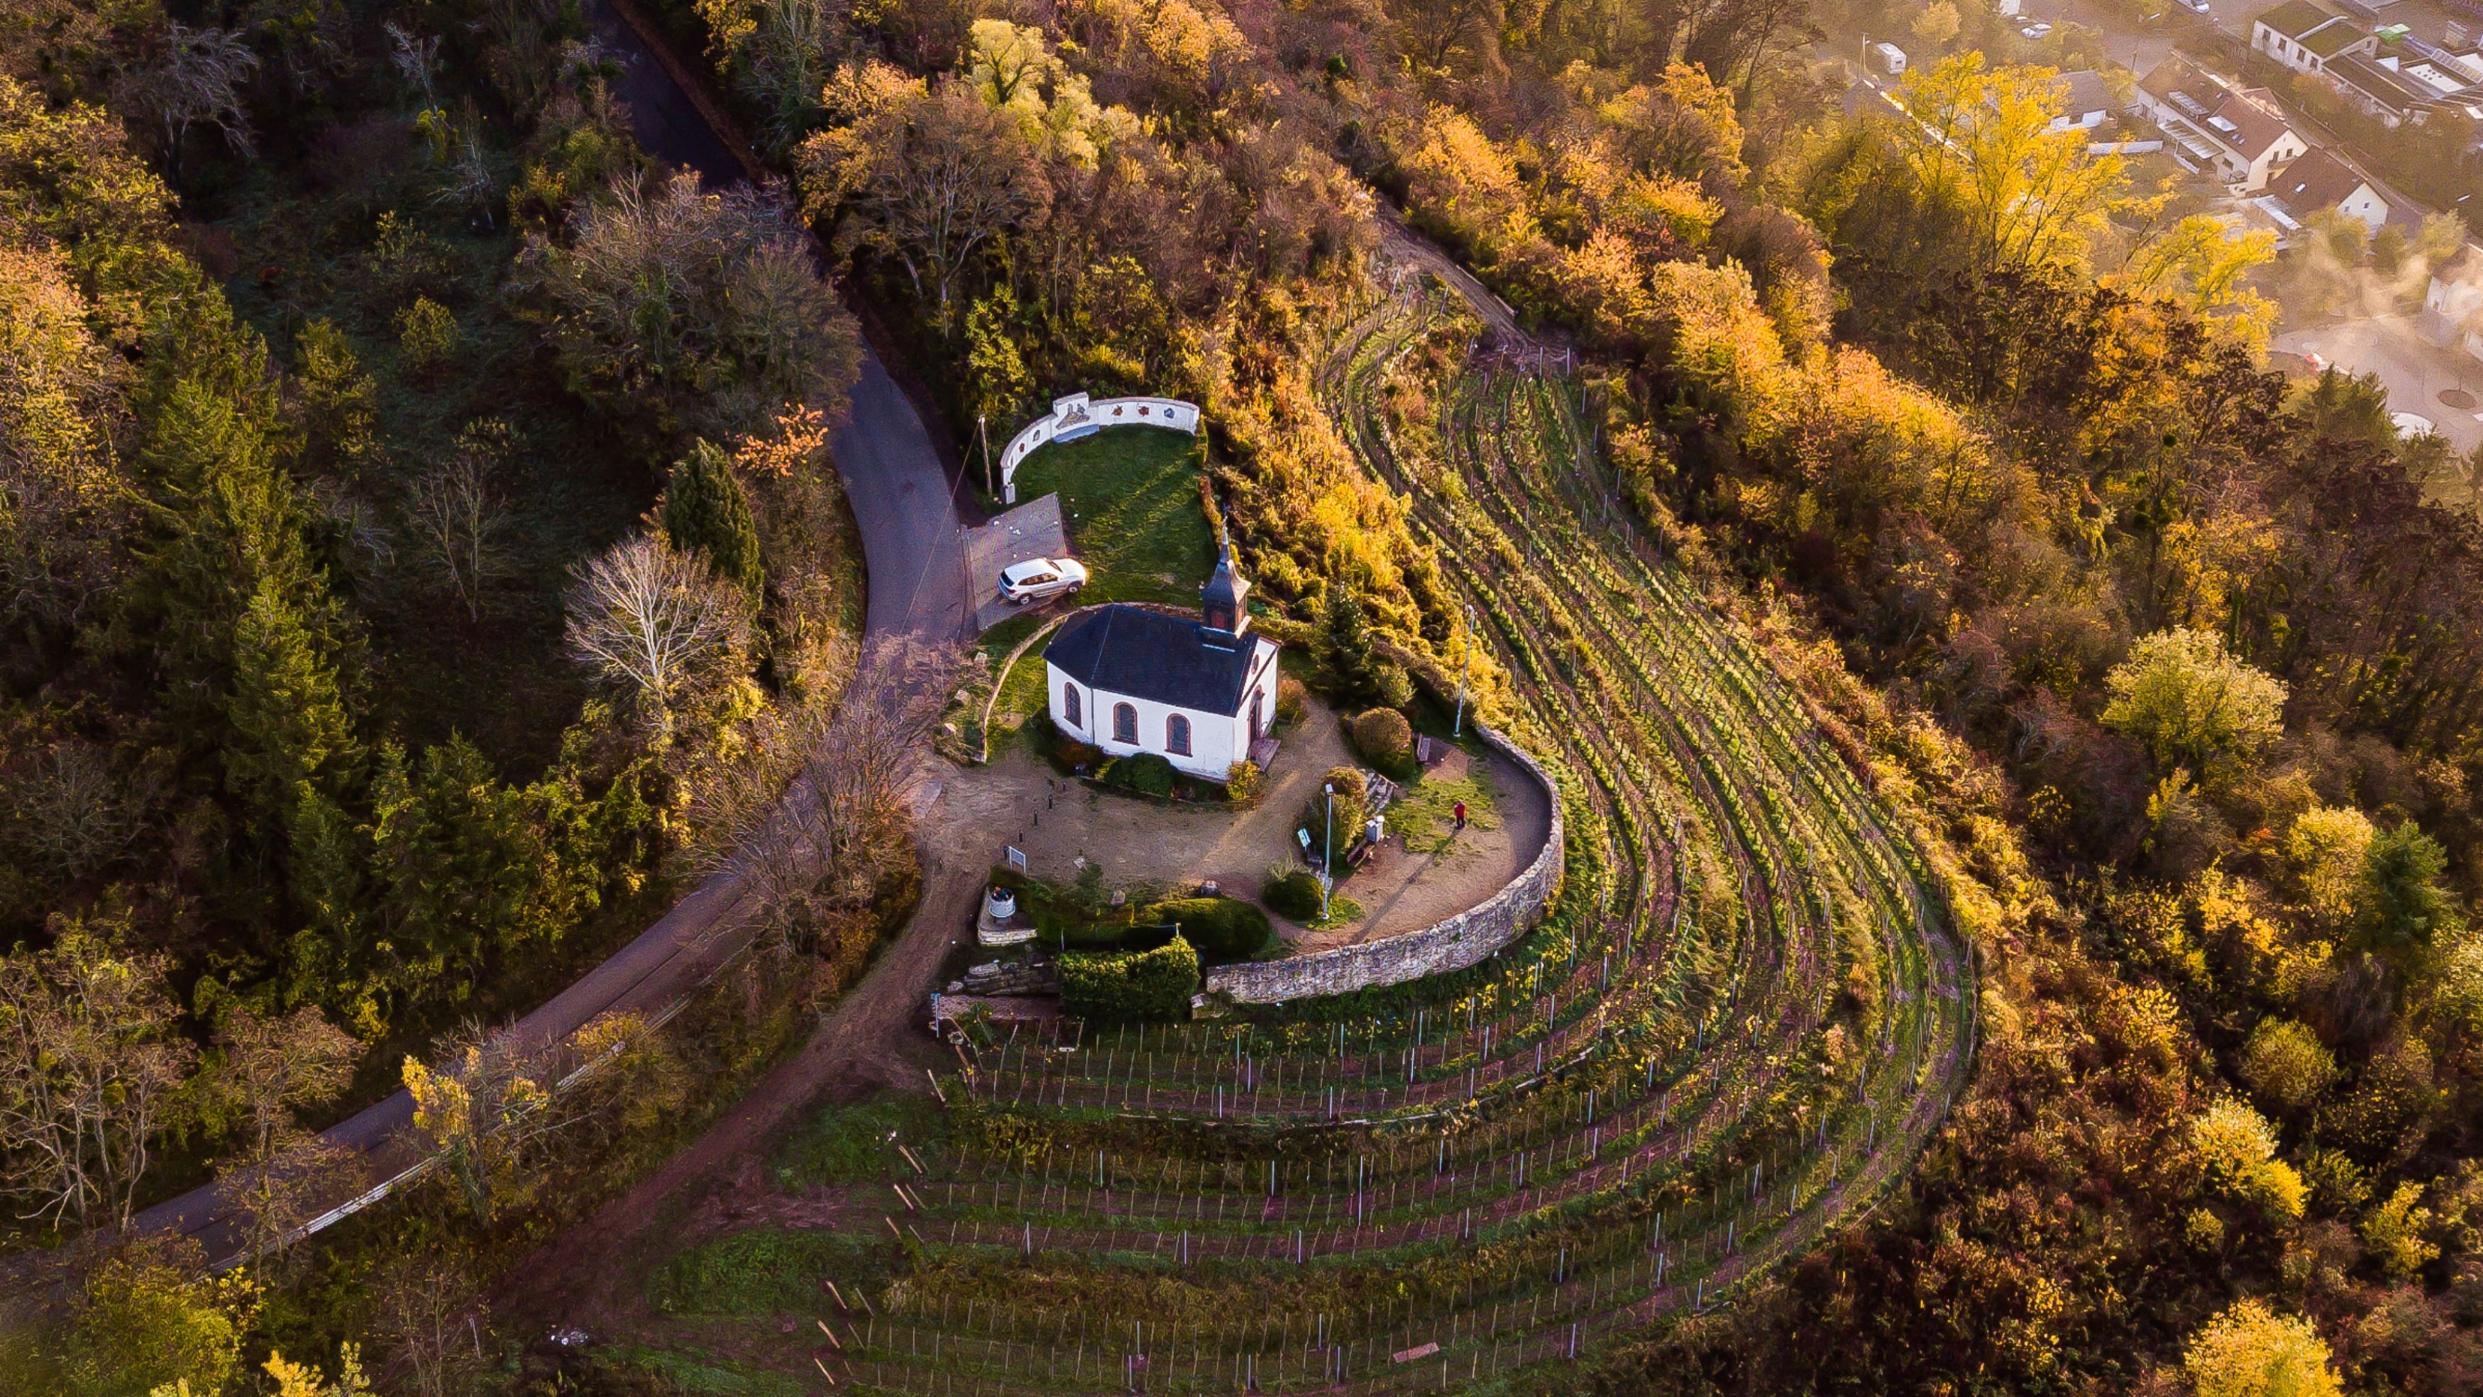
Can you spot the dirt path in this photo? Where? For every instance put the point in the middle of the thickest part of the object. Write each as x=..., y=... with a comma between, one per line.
x=872, y=1040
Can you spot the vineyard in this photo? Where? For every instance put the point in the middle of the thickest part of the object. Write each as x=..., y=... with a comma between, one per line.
x=1738, y=1023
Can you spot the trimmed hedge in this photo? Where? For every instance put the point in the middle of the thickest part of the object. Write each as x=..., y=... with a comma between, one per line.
x=1294, y=895
x=1222, y=928
x=1146, y=773
x=1290, y=696
x=1105, y=985
x=1384, y=739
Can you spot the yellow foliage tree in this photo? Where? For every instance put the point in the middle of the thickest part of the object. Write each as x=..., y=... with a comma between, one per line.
x=2251, y=1351
x=1981, y=141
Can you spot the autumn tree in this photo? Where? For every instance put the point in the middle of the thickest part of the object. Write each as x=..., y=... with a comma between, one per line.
x=151, y=1320
x=483, y=1112
x=2251, y=1351
x=271, y=1069
x=813, y=815
x=681, y=308
x=1980, y=141
x=2286, y=1063
x=928, y=175
x=2192, y=705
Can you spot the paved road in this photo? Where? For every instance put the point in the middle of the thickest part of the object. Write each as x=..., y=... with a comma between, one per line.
x=2413, y=370
x=904, y=504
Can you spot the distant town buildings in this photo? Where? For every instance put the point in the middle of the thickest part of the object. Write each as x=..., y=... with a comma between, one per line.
x=2392, y=76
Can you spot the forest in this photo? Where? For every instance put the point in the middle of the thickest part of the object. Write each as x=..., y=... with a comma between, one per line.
x=421, y=552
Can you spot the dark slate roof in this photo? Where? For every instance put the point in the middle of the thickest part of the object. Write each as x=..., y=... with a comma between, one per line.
x=2084, y=91
x=1131, y=650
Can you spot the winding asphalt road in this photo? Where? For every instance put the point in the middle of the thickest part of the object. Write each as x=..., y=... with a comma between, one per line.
x=905, y=506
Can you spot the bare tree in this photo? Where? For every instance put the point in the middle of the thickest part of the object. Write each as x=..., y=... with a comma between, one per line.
x=416, y=59
x=89, y=1062
x=814, y=816
x=428, y=1320
x=645, y=615
x=456, y=515
x=197, y=81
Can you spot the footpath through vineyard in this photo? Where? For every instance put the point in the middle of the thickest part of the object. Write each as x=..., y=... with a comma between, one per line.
x=1739, y=1022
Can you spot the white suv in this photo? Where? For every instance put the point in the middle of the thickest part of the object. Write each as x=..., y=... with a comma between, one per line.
x=1040, y=579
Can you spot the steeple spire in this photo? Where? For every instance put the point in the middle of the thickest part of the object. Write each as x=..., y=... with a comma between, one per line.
x=1223, y=601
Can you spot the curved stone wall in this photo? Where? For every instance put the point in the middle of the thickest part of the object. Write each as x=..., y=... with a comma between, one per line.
x=1079, y=415
x=1451, y=944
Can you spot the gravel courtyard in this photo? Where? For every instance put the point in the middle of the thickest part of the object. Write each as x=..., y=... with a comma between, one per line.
x=1425, y=872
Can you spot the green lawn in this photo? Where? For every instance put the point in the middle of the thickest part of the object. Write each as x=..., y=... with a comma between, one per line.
x=1130, y=499
x=691, y=1372
x=764, y=1271
x=850, y=1144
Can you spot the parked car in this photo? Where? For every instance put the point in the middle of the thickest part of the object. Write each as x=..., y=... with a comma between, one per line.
x=2196, y=7
x=2037, y=29
x=1040, y=579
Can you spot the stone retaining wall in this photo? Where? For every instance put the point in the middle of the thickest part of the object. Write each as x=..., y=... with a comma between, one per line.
x=1453, y=944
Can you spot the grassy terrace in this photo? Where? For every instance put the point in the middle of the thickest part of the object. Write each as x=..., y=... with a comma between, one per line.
x=1131, y=500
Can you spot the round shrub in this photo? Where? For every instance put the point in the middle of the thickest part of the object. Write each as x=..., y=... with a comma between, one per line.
x=1384, y=738
x=1108, y=985
x=1222, y=928
x=1293, y=894
x=1290, y=696
x=1145, y=773
x=1242, y=781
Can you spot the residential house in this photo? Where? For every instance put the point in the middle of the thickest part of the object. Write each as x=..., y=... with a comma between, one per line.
x=2235, y=134
x=2085, y=102
x=2453, y=307
x=2319, y=182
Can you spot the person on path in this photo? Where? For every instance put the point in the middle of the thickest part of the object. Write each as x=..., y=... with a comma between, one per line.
x=1459, y=810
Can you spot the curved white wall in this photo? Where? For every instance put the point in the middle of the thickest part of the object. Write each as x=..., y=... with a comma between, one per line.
x=1079, y=415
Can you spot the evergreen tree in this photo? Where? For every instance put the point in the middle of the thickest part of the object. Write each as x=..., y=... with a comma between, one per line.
x=706, y=512
x=2403, y=904
x=1346, y=645
x=290, y=728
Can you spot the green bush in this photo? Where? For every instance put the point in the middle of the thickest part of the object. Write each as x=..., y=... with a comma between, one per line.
x=1222, y=928
x=1352, y=795
x=1293, y=894
x=1145, y=773
x=1384, y=738
x=1154, y=984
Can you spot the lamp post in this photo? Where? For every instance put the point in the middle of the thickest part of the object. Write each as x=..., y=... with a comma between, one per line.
x=1466, y=668
x=1327, y=859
